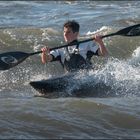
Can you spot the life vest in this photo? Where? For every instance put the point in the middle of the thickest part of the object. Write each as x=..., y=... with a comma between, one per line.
x=75, y=61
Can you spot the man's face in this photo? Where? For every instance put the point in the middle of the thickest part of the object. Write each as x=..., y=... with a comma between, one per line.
x=69, y=36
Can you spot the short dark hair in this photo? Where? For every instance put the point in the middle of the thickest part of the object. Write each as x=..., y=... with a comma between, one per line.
x=73, y=25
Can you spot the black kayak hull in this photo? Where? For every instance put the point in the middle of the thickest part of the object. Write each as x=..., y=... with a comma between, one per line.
x=68, y=86
x=50, y=87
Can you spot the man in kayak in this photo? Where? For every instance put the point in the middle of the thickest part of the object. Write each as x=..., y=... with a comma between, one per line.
x=78, y=56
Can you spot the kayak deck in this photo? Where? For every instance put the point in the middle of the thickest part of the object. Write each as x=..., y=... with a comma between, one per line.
x=68, y=86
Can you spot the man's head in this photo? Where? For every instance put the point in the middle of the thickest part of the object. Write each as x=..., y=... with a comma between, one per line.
x=71, y=30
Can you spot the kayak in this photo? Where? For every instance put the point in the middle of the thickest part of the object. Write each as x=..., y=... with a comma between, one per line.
x=69, y=86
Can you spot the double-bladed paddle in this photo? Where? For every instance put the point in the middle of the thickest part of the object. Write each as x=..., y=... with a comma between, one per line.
x=11, y=59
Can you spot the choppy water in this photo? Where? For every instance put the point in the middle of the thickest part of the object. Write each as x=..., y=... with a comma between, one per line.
x=26, y=26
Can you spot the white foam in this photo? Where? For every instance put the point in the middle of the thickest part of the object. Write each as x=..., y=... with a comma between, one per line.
x=102, y=29
x=136, y=56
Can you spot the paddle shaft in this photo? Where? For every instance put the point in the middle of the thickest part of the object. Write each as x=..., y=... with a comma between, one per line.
x=79, y=42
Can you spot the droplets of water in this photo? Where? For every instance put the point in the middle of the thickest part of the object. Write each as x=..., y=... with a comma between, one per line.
x=122, y=79
x=135, y=60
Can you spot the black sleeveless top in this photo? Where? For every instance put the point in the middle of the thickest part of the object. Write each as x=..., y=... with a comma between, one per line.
x=76, y=61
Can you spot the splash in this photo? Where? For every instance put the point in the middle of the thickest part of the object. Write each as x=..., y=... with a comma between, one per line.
x=123, y=77
x=135, y=60
x=116, y=78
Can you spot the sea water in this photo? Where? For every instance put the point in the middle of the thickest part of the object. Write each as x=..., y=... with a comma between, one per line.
x=27, y=26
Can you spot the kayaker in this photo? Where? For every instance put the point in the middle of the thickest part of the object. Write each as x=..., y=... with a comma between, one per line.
x=74, y=57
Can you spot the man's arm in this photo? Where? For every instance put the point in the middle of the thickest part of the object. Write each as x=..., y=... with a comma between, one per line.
x=46, y=56
x=102, y=51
